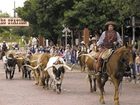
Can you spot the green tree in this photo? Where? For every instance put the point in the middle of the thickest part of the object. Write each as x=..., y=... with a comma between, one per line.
x=95, y=13
x=47, y=16
x=3, y=15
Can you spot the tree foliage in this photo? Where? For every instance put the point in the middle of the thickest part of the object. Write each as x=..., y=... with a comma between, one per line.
x=3, y=15
x=95, y=13
x=47, y=16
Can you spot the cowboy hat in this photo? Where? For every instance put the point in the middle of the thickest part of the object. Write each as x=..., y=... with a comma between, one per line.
x=93, y=38
x=110, y=23
x=82, y=42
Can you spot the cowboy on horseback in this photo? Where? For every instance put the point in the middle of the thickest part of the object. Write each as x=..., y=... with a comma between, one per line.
x=106, y=43
x=83, y=47
x=4, y=46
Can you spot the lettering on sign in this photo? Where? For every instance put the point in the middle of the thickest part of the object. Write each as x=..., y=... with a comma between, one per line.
x=13, y=22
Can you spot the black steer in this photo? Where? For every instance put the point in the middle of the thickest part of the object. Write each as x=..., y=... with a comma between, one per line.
x=26, y=72
x=10, y=67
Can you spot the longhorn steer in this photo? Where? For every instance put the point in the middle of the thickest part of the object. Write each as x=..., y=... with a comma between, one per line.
x=9, y=65
x=37, y=63
x=56, y=69
x=26, y=72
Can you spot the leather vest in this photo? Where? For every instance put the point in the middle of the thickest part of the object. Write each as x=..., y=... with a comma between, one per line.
x=110, y=37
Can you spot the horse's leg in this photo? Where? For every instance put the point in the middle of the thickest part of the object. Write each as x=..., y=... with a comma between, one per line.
x=104, y=80
x=82, y=63
x=90, y=82
x=99, y=81
x=116, y=94
x=82, y=66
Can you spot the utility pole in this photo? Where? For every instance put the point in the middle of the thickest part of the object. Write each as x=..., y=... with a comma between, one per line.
x=122, y=33
x=72, y=32
x=133, y=29
x=14, y=9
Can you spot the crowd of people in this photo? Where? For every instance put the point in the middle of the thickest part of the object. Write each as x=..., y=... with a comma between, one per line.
x=109, y=39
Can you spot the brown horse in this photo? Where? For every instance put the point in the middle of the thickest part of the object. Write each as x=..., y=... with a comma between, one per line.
x=88, y=61
x=81, y=60
x=115, y=69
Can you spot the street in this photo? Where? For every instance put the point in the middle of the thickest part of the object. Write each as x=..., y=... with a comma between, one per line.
x=75, y=91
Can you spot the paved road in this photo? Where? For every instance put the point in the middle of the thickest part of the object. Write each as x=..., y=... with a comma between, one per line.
x=75, y=92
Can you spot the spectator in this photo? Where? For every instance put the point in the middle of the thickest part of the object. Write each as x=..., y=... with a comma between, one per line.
x=137, y=62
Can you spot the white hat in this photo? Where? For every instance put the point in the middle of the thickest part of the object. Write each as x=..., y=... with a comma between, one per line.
x=82, y=42
x=93, y=38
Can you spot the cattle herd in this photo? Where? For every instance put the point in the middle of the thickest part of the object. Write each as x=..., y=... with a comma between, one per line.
x=46, y=70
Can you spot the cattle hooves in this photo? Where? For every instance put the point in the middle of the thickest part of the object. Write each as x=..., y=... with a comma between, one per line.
x=117, y=103
x=40, y=84
x=58, y=91
x=36, y=83
x=91, y=90
x=102, y=101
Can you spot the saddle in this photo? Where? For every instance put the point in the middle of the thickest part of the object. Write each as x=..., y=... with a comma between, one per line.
x=103, y=55
x=102, y=59
x=106, y=54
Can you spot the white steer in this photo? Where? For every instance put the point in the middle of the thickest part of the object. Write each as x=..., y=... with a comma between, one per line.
x=56, y=69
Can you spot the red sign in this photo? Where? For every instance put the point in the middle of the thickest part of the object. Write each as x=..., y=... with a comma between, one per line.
x=13, y=22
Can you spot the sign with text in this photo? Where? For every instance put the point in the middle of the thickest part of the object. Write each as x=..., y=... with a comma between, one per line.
x=13, y=22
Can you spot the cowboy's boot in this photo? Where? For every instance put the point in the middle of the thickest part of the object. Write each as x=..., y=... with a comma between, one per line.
x=99, y=66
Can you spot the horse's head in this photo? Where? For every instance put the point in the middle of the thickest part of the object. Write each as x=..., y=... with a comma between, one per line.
x=128, y=55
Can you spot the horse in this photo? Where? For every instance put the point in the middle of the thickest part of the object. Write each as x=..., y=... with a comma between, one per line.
x=115, y=68
x=81, y=60
x=90, y=62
